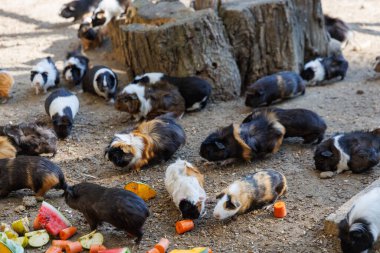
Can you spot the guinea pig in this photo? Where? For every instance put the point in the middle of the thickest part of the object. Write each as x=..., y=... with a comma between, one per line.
x=356, y=151
x=317, y=71
x=150, y=142
x=254, y=191
x=77, y=9
x=147, y=102
x=62, y=106
x=89, y=36
x=7, y=150
x=274, y=87
x=102, y=81
x=299, y=123
x=194, y=90
x=107, y=10
x=185, y=183
x=34, y=172
x=337, y=28
x=376, y=66
x=6, y=84
x=30, y=138
x=44, y=75
x=359, y=230
x=262, y=135
x=123, y=209
x=75, y=67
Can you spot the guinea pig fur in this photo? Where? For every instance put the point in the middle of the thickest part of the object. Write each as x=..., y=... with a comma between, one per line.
x=185, y=183
x=78, y=8
x=30, y=138
x=102, y=81
x=262, y=135
x=194, y=90
x=274, y=87
x=356, y=151
x=36, y=173
x=254, y=191
x=107, y=10
x=7, y=150
x=75, y=67
x=44, y=75
x=148, y=102
x=89, y=36
x=62, y=106
x=337, y=28
x=359, y=230
x=123, y=209
x=6, y=84
x=150, y=142
x=298, y=123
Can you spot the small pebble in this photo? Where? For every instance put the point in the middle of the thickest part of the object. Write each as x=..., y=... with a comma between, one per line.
x=326, y=174
x=20, y=209
x=29, y=201
x=360, y=92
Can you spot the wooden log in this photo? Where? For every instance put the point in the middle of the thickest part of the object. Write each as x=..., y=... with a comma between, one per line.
x=116, y=37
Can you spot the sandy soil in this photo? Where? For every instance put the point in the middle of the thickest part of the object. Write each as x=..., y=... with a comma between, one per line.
x=32, y=29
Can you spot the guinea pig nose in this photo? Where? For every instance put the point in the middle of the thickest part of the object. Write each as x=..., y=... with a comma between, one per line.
x=217, y=216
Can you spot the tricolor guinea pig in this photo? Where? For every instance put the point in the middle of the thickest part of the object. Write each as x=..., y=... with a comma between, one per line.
x=254, y=191
x=122, y=209
x=262, y=135
x=359, y=230
x=273, y=88
x=194, y=90
x=150, y=142
x=150, y=101
x=44, y=75
x=356, y=151
x=62, y=106
x=89, y=36
x=102, y=81
x=298, y=123
x=75, y=67
x=107, y=10
x=184, y=184
x=36, y=173
x=337, y=28
x=6, y=84
x=78, y=8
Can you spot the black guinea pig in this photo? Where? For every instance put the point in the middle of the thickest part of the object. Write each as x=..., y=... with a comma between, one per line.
x=121, y=208
x=78, y=8
x=274, y=87
x=36, y=173
x=75, y=67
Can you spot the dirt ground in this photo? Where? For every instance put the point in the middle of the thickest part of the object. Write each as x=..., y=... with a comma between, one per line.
x=30, y=30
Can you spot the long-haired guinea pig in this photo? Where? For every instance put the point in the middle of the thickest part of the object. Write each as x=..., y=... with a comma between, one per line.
x=89, y=36
x=44, y=75
x=194, y=90
x=77, y=9
x=36, y=173
x=145, y=101
x=107, y=10
x=254, y=191
x=6, y=84
x=337, y=28
x=30, y=138
x=276, y=87
x=359, y=230
x=150, y=142
x=7, y=150
x=123, y=209
x=75, y=67
x=262, y=135
x=184, y=183
x=298, y=123
x=62, y=106
x=357, y=151
x=102, y=81
x=317, y=71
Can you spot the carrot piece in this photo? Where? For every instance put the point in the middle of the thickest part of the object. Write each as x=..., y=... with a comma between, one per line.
x=60, y=243
x=66, y=233
x=184, y=226
x=36, y=224
x=162, y=245
x=95, y=248
x=54, y=249
x=73, y=247
x=279, y=209
x=154, y=250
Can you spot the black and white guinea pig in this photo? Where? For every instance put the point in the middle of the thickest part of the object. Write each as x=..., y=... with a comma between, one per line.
x=254, y=191
x=359, y=230
x=337, y=28
x=75, y=67
x=107, y=10
x=102, y=81
x=298, y=123
x=184, y=184
x=357, y=151
x=262, y=135
x=62, y=106
x=123, y=209
x=322, y=69
x=150, y=142
x=78, y=8
x=194, y=90
x=44, y=75
x=276, y=87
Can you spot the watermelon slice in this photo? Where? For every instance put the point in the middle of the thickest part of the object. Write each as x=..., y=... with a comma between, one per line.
x=118, y=250
x=51, y=219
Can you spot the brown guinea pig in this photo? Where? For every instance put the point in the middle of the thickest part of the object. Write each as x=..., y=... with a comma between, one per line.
x=6, y=83
x=7, y=150
x=36, y=173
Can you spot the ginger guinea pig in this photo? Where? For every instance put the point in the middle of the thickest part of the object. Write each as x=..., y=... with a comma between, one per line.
x=6, y=84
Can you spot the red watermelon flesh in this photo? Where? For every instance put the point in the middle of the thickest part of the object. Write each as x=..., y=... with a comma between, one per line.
x=118, y=250
x=51, y=219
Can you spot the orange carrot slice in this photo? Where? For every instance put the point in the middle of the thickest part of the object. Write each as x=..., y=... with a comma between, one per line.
x=54, y=249
x=184, y=226
x=60, y=243
x=73, y=247
x=66, y=233
x=95, y=248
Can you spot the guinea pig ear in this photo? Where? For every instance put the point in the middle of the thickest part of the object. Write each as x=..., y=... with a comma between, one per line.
x=327, y=153
x=220, y=145
x=220, y=195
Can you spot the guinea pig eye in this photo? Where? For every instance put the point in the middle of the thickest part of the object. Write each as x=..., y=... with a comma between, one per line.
x=71, y=8
x=230, y=205
x=327, y=153
x=220, y=145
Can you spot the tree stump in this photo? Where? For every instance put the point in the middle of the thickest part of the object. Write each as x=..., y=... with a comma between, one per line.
x=115, y=35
